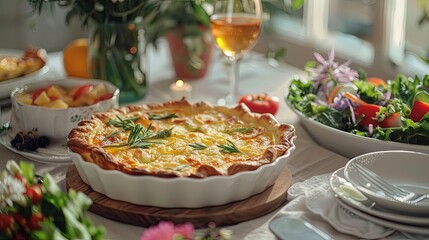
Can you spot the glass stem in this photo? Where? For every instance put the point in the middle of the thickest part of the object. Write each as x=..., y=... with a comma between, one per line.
x=232, y=96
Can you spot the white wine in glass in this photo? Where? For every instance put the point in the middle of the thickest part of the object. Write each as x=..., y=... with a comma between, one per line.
x=235, y=26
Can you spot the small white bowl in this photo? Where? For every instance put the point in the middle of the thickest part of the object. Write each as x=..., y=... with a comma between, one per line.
x=405, y=169
x=57, y=123
x=179, y=192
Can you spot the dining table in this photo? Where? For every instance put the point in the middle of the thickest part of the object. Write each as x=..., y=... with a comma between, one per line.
x=257, y=74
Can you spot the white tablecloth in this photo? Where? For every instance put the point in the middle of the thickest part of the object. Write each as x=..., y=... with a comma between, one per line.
x=256, y=76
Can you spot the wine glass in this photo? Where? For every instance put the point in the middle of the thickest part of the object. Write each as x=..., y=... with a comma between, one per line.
x=235, y=26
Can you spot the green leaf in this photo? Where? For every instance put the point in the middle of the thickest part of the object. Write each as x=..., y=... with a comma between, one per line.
x=112, y=134
x=140, y=137
x=229, y=147
x=369, y=93
x=161, y=134
x=242, y=130
x=27, y=170
x=200, y=13
x=198, y=146
x=163, y=116
x=404, y=88
x=74, y=228
x=297, y=4
x=126, y=124
x=192, y=128
x=332, y=118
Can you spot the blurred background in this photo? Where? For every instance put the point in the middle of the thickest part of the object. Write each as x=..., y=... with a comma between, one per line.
x=383, y=37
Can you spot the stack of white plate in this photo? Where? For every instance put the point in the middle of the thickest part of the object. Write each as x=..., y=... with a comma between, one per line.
x=409, y=170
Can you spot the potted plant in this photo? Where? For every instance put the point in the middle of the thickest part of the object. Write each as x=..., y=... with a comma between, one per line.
x=119, y=32
x=187, y=29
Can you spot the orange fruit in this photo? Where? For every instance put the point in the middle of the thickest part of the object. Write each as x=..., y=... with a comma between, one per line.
x=75, y=58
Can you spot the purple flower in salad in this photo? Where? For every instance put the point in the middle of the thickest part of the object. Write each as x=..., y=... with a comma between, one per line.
x=329, y=73
x=342, y=103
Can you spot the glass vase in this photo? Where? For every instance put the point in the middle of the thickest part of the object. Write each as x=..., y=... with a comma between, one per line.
x=117, y=53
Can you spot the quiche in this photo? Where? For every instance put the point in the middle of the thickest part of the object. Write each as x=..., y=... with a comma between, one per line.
x=14, y=66
x=180, y=139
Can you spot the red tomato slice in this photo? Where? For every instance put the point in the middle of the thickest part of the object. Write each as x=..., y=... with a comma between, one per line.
x=261, y=103
x=368, y=111
x=391, y=121
x=418, y=110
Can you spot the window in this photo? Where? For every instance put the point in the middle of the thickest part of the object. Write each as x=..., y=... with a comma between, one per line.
x=382, y=37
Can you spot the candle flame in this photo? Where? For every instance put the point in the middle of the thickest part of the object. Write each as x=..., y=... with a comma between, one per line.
x=180, y=83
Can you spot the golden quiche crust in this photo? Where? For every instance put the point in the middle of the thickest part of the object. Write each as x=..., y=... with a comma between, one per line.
x=198, y=145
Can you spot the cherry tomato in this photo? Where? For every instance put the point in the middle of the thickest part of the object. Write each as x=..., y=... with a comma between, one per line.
x=34, y=193
x=36, y=220
x=368, y=111
x=260, y=103
x=82, y=90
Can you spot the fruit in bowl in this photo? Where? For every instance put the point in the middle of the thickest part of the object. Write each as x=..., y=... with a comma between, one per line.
x=53, y=108
x=56, y=96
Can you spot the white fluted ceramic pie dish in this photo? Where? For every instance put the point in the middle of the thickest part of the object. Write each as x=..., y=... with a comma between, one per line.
x=179, y=192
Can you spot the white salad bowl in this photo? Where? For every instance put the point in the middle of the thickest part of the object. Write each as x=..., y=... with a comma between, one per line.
x=179, y=192
x=348, y=144
x=57, y=123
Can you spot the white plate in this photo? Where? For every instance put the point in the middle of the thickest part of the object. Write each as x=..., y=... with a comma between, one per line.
x=348, y=144
x=405, y=169
x=7, y=86
x=343, y=190
x=383, y=222
x=55, y=152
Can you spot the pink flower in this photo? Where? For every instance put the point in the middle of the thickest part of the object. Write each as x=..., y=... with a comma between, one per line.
x=168, y=231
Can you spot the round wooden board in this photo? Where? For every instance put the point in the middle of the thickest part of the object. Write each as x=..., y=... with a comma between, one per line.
x=228, y=214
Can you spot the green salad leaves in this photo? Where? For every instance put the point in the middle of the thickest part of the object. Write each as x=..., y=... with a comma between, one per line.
x=339, y=97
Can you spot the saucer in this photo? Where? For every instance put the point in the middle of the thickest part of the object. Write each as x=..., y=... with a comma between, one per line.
x=382, y=222
x=55, y=152
x=354, y=200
